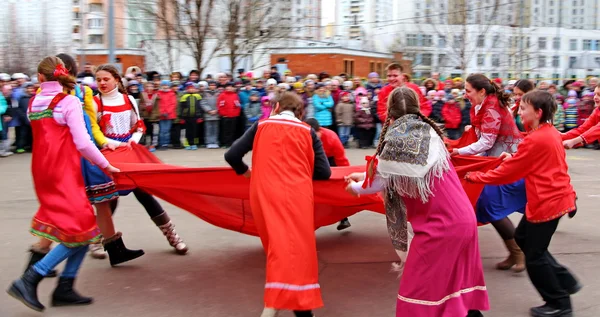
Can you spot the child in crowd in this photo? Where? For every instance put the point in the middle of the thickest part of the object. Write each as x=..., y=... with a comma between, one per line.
x=344, y=114
x=585, y=107
x=438, y=105
x=191, y=112
x=559, y=116
x=451, y=114
x=167, y=105
x=229, y=108
x=150, y=113
x=364, y=124
x=254, y=109
x=571, y=110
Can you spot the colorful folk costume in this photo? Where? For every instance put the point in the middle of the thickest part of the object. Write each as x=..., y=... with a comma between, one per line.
x=119, y=120
x=65, y=214
x=287, y=156
x=442, y=274
x=496, y=132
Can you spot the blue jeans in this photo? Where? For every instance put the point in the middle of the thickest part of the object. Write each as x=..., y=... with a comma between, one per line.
x=164, y=132
x=344, y=132
x=211, y=132
x=378, y=127
x=74, y=257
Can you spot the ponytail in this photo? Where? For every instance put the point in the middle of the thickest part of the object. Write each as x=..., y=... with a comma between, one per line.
x=502, y=96
x=67, y=81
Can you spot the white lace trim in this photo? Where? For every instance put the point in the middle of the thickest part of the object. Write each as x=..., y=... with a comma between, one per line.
x=443, y=300
x=292, y=287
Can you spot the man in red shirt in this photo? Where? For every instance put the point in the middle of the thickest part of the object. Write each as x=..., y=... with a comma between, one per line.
x=395, y=79
x=334, y=150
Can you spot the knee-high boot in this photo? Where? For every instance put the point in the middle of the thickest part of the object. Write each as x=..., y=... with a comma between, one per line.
x=163, y=222
x=515, y=260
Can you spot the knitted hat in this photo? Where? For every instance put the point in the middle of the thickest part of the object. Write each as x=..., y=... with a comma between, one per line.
x=373, y=75
x=203, y=84
x=440, y=93
x=165, y=82
x=271, y=81
x=572, y=93
x=298, y=85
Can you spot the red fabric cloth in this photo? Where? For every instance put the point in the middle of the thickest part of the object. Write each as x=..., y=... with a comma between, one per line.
x=541, y=160
x=471, y=163
x=65, y=214
x=167, y=104
x=589, y=130
x=468, y=137
x=220, y=197
x=384, y=93
x=452, y=115
x=228, y=104
x=333, y=147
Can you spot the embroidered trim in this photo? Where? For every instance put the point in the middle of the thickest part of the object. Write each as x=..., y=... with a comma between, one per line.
x=292, y=287
x=556, y=215
x=100, y=199
x=50, y=232
x=40, y=115
x=443, y=300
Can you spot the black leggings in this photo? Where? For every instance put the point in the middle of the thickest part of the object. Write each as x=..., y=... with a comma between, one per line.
x=151, y=205
x=303, y=313
x=505, y=228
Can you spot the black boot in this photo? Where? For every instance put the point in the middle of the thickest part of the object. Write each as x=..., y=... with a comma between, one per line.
x=65, y=295
x=117, y=252
x=25, y=289
x=549, y=311
x=344, y=224
x=36, y=256
x=474, y=313
x=303, y=313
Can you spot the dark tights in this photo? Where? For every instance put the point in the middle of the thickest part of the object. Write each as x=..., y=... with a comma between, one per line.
x=151, y=205
x=505, y=228
x=303, y=313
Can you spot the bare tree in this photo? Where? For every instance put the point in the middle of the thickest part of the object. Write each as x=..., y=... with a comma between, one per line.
x=249, y=25
x=191, y=23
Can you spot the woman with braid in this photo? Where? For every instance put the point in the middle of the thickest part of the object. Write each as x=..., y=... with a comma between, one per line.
x=412, y=169
x=496, y=132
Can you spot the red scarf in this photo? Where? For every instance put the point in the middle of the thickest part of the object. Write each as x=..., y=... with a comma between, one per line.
x=507, y=127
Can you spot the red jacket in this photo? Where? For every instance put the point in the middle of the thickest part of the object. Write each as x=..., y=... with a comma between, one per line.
x=426, y=108
x=333, y=147
x=383, y=99
x=167, y=104
x=588, y=131
x=452, y=115
x=541, y=160
x=228, y=104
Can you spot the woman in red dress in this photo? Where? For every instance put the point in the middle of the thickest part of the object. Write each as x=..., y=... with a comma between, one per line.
x=287, y=155
x=65, y=214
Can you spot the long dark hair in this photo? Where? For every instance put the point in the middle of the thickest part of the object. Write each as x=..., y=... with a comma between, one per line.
x=525, y=85
x=115, y=73
x=480, y=81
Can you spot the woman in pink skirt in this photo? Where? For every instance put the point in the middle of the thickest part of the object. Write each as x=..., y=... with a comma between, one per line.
x=442, y=273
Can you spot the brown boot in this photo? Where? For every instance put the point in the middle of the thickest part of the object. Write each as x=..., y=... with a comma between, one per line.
x=515, y=260
x=168, y=229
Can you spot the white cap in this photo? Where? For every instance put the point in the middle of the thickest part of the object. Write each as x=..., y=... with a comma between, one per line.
x=290, y=80
x=4, y=77
x=19, y=76
x=284, y=86
x=271, y=81
x=203, y=84
x=348, y=84
x=512, y=82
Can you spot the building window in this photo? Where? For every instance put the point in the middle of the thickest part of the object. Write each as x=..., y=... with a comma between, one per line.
x=572, y=61
x=76, y=15
x=427, y=59
x=542, y=43
x=349, y=67
x=551, y=20
x=481, y=41
x=427, y=40
x=418, y=59
x=556, y=43
x=411, y=40
x=587, y=45
x=541, y=61
x=458, y=41
x=442, y=60
x=441, y=41
x=555, y=61
x=96, y=7
x=95, y=39
x=496, y=41
x=510, y=61
x=495, y=60
x=95, y=23
x=480, y=60
x=573, y=44
x=371, y=67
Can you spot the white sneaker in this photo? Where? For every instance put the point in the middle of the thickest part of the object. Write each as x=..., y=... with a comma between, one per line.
x=97, y=251
x=269, y=312
x=6, y=154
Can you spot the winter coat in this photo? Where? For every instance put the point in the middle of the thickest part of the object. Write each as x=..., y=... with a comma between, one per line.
x=374, y=112
x=371, y=87
x=229, y=105
x=253, y=112
x=364, y=119
x=148, y=106
x=210, y=103
x=190, y=106
x=244, y=96
x=426, y=108
x=344, y=113
x=167, y=105
x=261, y=91
x=436, y=111
x=3, y=108
x=21, y=111
x=452, y=115
x=323, y=109
x=356, y=93
x=309, y=108
x=585, y=109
